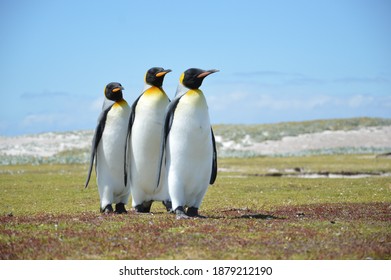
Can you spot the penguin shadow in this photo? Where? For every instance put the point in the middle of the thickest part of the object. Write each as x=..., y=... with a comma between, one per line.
x=238, y=214
x=233, y=214
x=260, y=217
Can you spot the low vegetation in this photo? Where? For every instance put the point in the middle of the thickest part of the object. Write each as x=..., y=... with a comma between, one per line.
x=47, y=214
x=73, y=147
x=265, y=132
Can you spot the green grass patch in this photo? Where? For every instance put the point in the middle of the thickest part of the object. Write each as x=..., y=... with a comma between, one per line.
x=47, y=214
x=315, y=164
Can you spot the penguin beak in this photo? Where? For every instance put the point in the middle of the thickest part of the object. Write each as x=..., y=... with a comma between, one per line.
x=118, y=89
x=206, y=73
x=162, y=73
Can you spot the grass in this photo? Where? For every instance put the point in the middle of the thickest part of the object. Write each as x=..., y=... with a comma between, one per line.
x=325, y=163
x=45, y=213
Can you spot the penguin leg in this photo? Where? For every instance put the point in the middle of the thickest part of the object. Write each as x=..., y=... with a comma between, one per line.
x=144, y=207
x=180, y=213
x=120, y=208
x=168, y=206
x=193, y=212
x=107, y=210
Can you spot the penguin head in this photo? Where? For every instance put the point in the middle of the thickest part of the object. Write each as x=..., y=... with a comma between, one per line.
x=113, y=91
x=155, y=76
x=192, y=78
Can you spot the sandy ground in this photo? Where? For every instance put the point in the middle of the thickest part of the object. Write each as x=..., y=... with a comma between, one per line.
x=375, y=137
x=45, y=144
x=49, y=144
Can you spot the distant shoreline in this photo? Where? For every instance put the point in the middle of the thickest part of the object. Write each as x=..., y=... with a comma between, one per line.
x=339, y=136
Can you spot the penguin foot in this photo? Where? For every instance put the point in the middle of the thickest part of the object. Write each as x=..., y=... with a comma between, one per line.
x=107, y=210
x=144, y=207
x=120, y=208
x=193, y=212
x=168, y=206
x=180, y=213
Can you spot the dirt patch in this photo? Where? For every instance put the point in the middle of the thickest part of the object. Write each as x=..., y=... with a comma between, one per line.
x=340, y=211
x=326, y=174
x=319, y=231
x=323, y=212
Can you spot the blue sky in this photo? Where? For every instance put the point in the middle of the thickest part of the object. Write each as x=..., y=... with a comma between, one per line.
x=278, y=60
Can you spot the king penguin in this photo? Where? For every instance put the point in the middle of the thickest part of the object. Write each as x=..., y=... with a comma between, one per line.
x=144, y=141
x=108, y=149
x=189, y=145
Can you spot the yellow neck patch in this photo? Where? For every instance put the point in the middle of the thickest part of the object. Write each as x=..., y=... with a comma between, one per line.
x=181, y=78
x=154, y=91
x=194, y=92
x=195, y=98
x=120, y=103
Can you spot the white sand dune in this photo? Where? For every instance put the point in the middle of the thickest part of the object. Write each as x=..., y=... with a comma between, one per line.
x=50, y=144
x=370, y=137
x=45, y=144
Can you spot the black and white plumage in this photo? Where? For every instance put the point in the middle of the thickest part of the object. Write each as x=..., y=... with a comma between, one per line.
x=189, y=145
x=108, y=148
x=144, y=142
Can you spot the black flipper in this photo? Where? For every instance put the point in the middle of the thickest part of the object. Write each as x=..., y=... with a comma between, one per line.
x=214, y=162
x=170, y=117
x=95, y=141
x=130, y=126
x=166, y=130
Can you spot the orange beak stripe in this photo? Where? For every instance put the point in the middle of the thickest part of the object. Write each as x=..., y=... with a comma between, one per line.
x=162, y=73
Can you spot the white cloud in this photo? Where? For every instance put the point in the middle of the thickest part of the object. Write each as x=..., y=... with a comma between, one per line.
x=359, y=101
x=228, y=100
x=254, y=105
x=48, y=120
x=386, y=102
x=281, y=102
x=294, y=101
x=34, y=119
x=238, y=96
